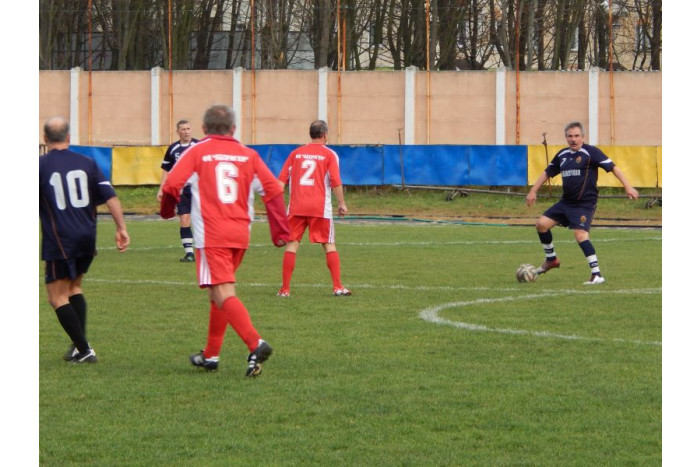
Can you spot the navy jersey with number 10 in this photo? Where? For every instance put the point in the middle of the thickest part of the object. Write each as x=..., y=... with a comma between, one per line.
x=71, y=186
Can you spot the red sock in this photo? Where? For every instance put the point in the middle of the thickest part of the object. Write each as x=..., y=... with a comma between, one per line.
x=333, y=263
x=288, y=263
x=239, y=319
x=217, y=330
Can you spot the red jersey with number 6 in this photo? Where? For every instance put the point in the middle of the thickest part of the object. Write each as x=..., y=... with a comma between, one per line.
x=221, y=171
x=311, y=172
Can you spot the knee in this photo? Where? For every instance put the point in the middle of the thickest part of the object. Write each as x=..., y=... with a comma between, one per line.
x=541, y=226
x=581, y=235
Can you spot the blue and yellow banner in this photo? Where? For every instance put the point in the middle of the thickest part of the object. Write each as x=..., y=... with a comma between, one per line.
x=441, y=165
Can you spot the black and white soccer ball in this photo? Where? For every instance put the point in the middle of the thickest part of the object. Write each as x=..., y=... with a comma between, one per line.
x=526, y=273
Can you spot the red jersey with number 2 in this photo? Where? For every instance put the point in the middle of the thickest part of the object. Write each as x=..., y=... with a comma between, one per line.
x=221, y=171
x=311, y=172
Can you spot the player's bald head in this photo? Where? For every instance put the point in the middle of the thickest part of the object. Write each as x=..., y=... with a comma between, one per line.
x=56, y=130
x=318, y=129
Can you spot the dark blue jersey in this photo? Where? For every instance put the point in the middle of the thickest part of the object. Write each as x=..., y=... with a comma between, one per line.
x=579, y=172
x=173, y=153
x=71, y=186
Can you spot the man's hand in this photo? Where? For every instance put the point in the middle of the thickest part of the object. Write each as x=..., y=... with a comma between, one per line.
x=121, y=238
x=342, y=209
x=531, y=198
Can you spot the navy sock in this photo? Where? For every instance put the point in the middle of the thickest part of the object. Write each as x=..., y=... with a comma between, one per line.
x=69, y=320
x=80, y=306
x=186, y=239
x=546, y=240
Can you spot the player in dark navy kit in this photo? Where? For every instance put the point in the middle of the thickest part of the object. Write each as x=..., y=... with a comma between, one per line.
x=175, y=150
x=71, y=186
x=578, y=165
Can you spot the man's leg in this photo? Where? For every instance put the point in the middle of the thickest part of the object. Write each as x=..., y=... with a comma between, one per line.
x=186, y=238
x=224, y=295
x=588, y=250
x=288, y=264
x=544, y=227
x=333, y=264
x=58, y=296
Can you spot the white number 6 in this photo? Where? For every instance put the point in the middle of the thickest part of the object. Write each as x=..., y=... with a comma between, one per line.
x=226, y=185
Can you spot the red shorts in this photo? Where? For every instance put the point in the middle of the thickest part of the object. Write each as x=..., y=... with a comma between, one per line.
x=218, y=265
x=321, y=230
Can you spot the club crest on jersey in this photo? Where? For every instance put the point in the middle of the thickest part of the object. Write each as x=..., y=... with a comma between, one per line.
x=578, y=160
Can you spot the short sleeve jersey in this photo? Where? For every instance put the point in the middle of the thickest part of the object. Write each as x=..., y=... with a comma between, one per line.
x=71, y=186
x=173, y=153
x=579, y=172
x=222, y=173
x=311, y=172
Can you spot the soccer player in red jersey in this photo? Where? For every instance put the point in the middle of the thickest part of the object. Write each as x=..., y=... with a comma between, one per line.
x=312, y=173
x=223, y=174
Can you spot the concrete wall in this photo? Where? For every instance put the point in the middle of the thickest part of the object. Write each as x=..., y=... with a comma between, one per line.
x=383, y=107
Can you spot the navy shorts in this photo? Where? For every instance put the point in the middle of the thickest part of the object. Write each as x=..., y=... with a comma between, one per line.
x=572, y=215
x=66, y=268
x=184, y=206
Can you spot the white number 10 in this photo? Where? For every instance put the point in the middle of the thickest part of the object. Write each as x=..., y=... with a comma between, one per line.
x=74, y=179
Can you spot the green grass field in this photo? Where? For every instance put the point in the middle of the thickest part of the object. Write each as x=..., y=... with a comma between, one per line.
x=438, y=358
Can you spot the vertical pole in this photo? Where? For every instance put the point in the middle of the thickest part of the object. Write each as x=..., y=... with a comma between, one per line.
x=89, y=72
x=323, y=94
x=155, y=106
x=501, y=106
x=409, y=119
x=170, y=71
x=252, y=68
x=341, y=65
x=75, y=105
x=593, y=117
x=238, y=101
x=612, y=81
x=517, y=72
x=427, y=69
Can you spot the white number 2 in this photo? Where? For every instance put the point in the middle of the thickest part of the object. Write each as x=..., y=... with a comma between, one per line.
x=79, y=198
x=310, y=166
x=226, y=185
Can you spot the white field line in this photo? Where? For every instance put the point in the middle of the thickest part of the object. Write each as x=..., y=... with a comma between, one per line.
x=411, y=243
x=432, y=315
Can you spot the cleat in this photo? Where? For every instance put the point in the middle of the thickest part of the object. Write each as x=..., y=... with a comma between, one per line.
x=283, y=293
x=209, y=364
x=257, y=356
x=70, y=353
x=547, y=265
x=88, y=356
x=595, y=279
x=188, y=258
x=342, y=292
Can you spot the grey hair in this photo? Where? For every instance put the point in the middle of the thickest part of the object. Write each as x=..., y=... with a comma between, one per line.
x=571, y=125
x=219, y=120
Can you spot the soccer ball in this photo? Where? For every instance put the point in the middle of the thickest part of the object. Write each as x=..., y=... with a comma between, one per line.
x=526, y=273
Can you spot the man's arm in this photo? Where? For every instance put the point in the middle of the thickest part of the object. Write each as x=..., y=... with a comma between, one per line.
x=121, y=237
x=163, y=176
x=339, y=195
x=532, y=195
x=629, y=189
